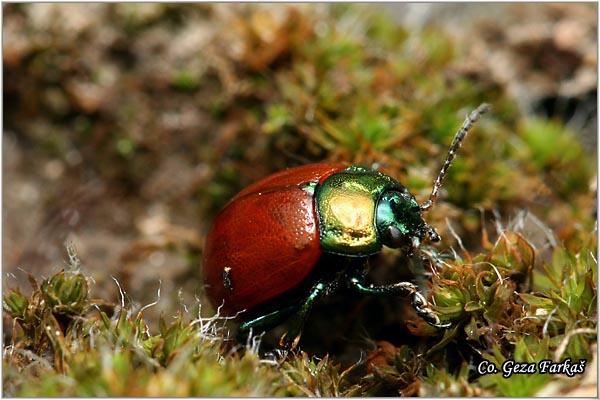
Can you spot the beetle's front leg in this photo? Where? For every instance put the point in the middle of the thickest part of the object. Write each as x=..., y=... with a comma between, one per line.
x=418, y=301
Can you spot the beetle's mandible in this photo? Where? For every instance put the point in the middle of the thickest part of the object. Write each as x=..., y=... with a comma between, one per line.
x=286, y=241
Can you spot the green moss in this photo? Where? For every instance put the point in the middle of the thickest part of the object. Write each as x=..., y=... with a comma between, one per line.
x=186, y=81
x=98, y=355
x=66, y=292
x=15, y=303
x=125, y=147
x=551, y=148
x=501, y=302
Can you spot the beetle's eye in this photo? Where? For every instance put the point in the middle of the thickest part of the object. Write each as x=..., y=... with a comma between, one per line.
x=394, y=235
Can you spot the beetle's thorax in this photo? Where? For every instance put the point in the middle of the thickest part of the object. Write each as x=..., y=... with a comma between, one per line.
x=347, y=210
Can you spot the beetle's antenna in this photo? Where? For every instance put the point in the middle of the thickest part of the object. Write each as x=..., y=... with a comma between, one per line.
x=456, y=143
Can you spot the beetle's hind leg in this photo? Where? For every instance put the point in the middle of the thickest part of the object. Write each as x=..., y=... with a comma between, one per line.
x=266, y=321
x=291, y=338
x=301, y=310
x=418, y=301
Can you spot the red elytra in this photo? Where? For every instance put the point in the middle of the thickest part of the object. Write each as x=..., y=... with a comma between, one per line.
x=267, y=237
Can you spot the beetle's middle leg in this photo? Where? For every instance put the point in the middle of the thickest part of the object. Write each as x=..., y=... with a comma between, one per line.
x=418, y=301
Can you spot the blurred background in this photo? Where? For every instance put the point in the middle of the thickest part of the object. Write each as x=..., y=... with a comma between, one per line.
x=128, y=126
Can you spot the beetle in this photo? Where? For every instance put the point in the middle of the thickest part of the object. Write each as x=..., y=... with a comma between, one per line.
x=290, y=239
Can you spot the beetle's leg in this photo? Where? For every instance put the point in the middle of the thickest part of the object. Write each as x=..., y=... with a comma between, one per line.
x=269, y=320
x=264, y=322
x=291, y=338
x=418, y=301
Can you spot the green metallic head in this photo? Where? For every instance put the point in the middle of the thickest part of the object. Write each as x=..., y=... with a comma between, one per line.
x=399, y=221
